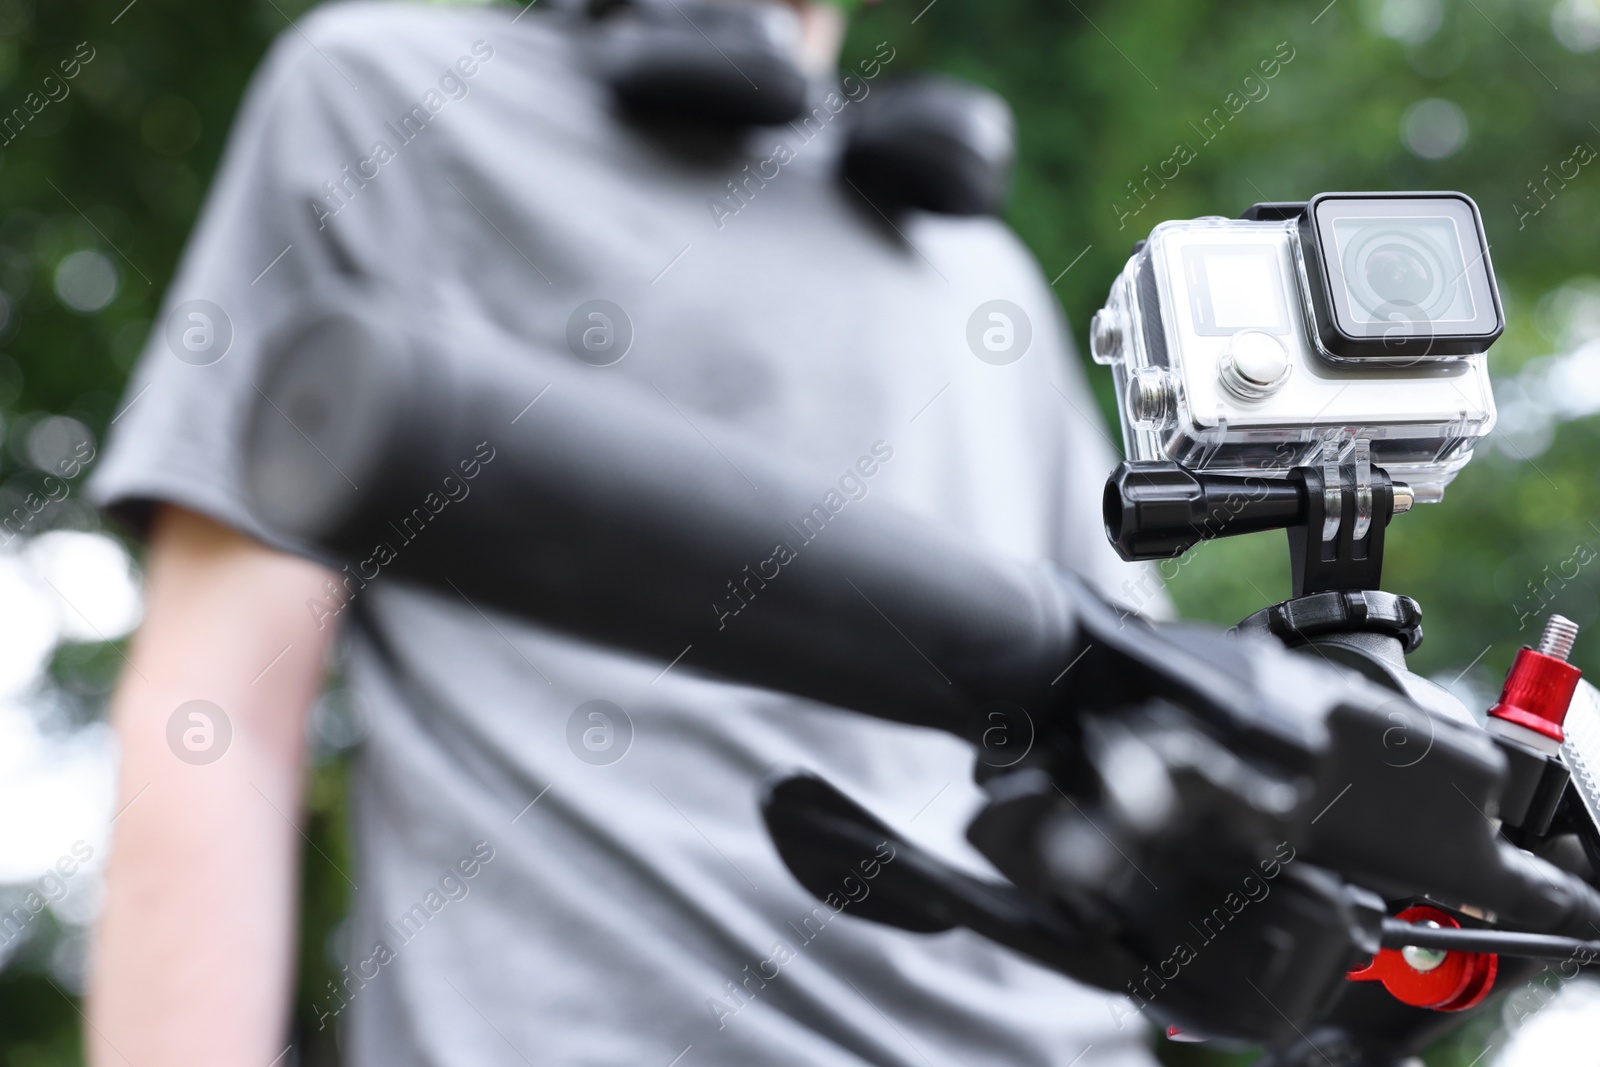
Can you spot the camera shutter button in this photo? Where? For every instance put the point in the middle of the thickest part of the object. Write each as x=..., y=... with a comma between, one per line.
x=1254, y=366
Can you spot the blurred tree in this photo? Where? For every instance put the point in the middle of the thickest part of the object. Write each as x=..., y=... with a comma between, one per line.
x=98, y=189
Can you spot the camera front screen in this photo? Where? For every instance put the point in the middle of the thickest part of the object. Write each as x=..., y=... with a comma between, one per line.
x=1235, y=287
x=1401, y=276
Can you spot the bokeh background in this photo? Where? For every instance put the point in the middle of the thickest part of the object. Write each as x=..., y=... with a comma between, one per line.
x=1499, y=98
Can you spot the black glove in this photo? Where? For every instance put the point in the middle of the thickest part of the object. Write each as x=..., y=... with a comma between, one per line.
x=1181, y=830
x=1229, y=813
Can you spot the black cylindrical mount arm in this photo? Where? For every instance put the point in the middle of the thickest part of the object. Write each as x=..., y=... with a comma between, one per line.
x=1161, y=510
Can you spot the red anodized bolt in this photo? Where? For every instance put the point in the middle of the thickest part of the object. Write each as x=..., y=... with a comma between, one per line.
x=1539, y=688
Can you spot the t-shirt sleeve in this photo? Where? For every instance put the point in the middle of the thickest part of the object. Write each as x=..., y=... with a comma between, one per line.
x=264, y=243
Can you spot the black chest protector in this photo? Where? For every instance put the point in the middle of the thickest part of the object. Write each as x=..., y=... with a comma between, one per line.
x=928, y=142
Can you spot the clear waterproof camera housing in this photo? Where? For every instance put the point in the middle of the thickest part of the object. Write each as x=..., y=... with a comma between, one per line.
x=1301, y=334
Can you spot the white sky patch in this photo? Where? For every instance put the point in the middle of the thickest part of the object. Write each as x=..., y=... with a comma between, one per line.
x=29, y=626
x=1555, y=1033
x=92, y=582
x=60, y=787
x=1555, y=388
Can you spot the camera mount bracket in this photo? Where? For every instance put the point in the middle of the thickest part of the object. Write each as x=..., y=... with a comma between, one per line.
x=1338, y=543
x=1335, y=515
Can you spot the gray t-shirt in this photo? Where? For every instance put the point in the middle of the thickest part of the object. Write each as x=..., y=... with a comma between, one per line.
x=548, y=879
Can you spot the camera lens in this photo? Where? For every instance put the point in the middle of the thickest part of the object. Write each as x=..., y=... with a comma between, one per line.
x=1400, y=269
x=1398, y=275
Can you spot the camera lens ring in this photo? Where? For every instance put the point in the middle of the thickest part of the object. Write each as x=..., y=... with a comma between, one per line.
x=1338, y=230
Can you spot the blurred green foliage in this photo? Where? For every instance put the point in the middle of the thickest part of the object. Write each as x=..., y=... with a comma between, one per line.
x=1102, y=91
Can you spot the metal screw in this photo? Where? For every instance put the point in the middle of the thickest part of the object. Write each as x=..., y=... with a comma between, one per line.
x=1559, y=634
x=1404, y=498
x=1423, y=960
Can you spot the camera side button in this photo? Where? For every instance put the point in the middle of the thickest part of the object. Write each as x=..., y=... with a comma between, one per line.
x=1254, y=365
x=1152, y=399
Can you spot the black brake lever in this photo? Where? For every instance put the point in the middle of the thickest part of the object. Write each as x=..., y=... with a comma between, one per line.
x=825, y=839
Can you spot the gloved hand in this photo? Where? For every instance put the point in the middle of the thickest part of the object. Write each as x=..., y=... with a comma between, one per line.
x=1217, y=816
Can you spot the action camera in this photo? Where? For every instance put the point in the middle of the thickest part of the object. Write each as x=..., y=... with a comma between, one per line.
x=1280, y=339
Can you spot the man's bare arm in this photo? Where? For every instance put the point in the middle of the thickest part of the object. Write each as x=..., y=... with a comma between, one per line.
x=193, y=954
